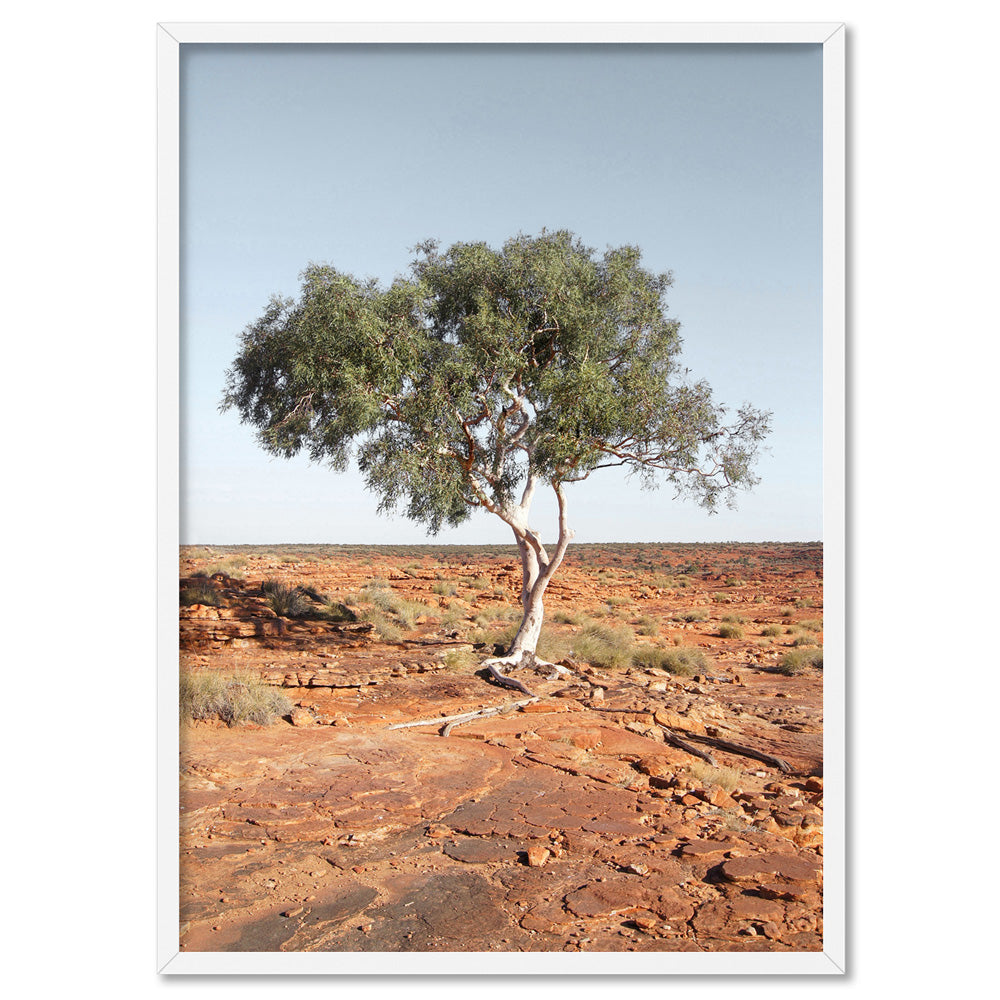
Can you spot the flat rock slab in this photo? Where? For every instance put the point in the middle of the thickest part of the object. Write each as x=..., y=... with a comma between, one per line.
x=311, y=783
x=482, y=850
x=769, y=867
x=279, y=933
x=435, y=913
x=607, y=899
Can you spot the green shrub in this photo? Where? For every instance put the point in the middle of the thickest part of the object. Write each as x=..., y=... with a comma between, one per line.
x=734, y=619
x=685, y=660
x=446, y=588
x=730, y=632
x=811, y=624
x=771, y=630
x=233, y=698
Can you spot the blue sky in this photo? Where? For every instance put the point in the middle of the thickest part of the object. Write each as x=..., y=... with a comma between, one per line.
x=707, y=157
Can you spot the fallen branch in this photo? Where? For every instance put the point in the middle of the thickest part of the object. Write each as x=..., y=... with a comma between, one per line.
x=743, y=751
x=448, y=722
x=673, y=739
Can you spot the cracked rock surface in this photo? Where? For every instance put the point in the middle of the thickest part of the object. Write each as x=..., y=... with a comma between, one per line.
x=568, y=825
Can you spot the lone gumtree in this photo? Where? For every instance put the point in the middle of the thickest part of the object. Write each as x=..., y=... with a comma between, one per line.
x=485, y=375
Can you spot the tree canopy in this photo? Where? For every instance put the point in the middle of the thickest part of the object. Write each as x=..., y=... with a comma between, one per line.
x=483, y=375
x=486, y=371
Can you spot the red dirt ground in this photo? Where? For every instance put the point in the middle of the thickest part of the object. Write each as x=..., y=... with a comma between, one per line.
x=570, y=824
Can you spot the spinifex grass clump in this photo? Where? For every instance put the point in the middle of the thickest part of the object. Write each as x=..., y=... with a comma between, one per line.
x=602, y=645
x=202, y=592
x=234, y=567
x=803, y=639
x=233, y=698
x=681, y=660
x=730, y=631
x=726, y=778
x=290, y=602
x=797, y=660
x=648, y=625
x=691, y=616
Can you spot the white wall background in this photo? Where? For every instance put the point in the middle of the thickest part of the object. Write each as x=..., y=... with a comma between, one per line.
x=79, y=407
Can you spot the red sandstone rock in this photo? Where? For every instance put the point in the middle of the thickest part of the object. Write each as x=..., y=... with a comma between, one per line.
x=537, y=856
x=765, y=867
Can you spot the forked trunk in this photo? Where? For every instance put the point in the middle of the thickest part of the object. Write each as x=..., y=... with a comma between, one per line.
x=537, y=569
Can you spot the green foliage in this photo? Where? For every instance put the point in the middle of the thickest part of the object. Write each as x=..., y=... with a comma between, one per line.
x=483, y=368
x=233, y=698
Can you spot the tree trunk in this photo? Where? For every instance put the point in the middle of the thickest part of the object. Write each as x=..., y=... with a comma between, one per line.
x=537, y=569
x=526, y=639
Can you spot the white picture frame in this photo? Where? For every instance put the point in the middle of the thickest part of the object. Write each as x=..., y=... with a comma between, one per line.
x=833, y=959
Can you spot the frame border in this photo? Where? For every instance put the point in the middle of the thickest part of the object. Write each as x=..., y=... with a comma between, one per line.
x=169, y=38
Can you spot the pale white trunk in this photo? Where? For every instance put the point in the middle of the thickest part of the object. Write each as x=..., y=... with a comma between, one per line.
x=537, y=569
x=526, y=640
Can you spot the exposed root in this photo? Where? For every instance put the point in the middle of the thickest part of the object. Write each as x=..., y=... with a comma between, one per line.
x=518, y=661
x=493, y=668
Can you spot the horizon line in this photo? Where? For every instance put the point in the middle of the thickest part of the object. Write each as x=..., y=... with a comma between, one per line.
x=495, y=545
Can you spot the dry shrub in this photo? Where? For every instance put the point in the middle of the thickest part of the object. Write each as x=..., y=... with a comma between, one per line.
x=727, y=778
x=233, y=698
